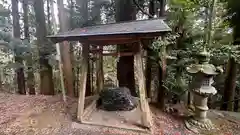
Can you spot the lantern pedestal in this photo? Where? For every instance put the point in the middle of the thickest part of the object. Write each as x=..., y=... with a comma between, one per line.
x=202, y=89
x=196, y=125
x=200, y=121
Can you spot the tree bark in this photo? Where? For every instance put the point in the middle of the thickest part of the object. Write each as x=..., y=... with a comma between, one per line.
x=148, y=69
x=163, y=68
x=18, y=59
x=126, y=11
x=237, y=42
x=71, y=3
x=99, y=68
x=30, y=75
x=162, y=5
x=162, y=77
x=230, y=81
x=236, y=103
x=96, y=14
x=231, y=78
x=66, y=51
x=230, y=85
x=46, y=85
x=49, y=24
x=83, y=4
x=89, y=72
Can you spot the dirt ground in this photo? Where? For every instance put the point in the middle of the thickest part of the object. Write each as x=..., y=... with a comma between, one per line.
x=47, y=115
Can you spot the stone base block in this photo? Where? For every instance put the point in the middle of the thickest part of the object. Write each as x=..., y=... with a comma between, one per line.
x=198, y=126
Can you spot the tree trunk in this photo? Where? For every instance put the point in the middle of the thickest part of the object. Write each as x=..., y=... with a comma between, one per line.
x=148, y=69
x=83, y=4
x=18, y=59
x=54, y=22
x=231, y=78
x=75, y=72
x=71, y=12
x=46, y=85
x=126, y=11
x=237, y=42
x=30, y=75
x=163, y=68
x=49, y=24
x=99, y=72
x=162, y=5
x=96, y=14
x=65, y=51
x=162, y=77
x=89, y=84
x=230, y=85
x=236, y=103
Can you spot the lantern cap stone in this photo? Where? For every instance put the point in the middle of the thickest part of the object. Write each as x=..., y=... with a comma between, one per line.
x=204, y=68
x=205, y=91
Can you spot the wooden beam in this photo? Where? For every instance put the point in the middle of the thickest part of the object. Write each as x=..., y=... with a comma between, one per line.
x=108, y=38
x=142, y=86
x=109, y=42
x=135, y=36
x=139, y=130
x=94, y=97
x=117, y=54
x=113, y=38
x=83, y=81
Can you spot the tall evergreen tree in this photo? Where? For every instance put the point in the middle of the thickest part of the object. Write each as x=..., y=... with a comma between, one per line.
x=126, y=11
x=30, y=75
x=149, y=62
x=46, y=84
x=18, y=58
x=163, y=67
x=231, y=78
x=65, y=50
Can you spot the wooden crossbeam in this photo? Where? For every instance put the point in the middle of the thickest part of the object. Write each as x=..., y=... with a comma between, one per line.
x=118, y=54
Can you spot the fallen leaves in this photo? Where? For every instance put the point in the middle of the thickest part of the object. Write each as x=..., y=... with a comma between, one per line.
x=56, y=119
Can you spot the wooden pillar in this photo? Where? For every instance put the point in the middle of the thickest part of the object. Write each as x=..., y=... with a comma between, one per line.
x=60, y=66
x=142, y=86
x=67, y=68
x=83, y=82
x=99, y=68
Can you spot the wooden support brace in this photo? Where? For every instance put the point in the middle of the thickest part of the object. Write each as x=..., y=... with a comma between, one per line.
x=139, y=130
x=83, y=81
x=90, y=109
x=141, y=80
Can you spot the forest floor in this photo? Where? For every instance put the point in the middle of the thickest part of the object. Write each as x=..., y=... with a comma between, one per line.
x=46, y=115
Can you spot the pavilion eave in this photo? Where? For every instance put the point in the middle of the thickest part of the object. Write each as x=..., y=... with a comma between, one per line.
x=117, y=33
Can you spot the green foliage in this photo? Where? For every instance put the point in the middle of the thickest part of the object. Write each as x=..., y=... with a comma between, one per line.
x=187, y=19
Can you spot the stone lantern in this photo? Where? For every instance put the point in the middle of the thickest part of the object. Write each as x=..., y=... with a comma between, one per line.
x=201, y=88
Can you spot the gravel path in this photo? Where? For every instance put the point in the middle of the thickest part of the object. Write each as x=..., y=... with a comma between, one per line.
x=47, y=115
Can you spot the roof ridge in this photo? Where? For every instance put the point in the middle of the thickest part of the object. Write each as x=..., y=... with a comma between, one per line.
x=121, y=22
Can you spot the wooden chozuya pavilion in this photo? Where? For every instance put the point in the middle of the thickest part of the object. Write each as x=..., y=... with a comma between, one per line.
x=114, y=34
